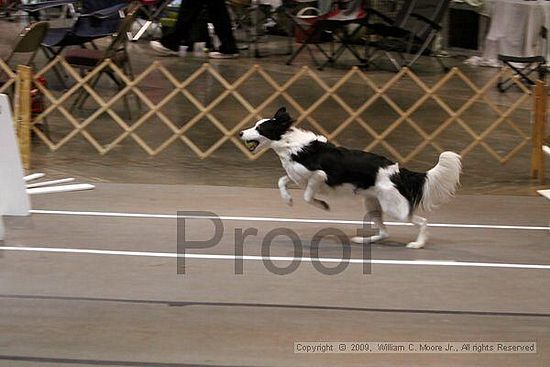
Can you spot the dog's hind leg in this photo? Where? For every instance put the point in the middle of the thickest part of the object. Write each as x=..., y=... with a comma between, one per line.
x=374, y=212
x=313, y=184
x=422, y=224
x=283, y=189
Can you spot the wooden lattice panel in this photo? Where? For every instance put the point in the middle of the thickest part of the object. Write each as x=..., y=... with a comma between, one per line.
x=278, y=90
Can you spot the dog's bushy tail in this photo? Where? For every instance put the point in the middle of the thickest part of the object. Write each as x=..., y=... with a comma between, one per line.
x=442, y=181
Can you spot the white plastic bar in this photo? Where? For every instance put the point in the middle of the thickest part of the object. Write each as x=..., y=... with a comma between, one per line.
x=63, y=188
x=50, y=183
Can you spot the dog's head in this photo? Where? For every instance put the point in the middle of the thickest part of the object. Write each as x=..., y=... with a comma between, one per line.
x=266, y=131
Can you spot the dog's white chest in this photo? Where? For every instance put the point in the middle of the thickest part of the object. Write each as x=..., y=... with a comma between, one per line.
x=297, y=172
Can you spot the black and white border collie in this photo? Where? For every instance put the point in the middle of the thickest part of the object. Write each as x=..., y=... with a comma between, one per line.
x=320, y=167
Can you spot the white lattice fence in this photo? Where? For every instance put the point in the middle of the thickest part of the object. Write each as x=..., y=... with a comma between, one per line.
x=354, y=110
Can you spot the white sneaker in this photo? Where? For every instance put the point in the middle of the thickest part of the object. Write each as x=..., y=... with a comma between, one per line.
x=160, y=49
x=219, y=55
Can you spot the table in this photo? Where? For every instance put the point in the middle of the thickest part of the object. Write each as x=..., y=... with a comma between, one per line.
x=515, y=28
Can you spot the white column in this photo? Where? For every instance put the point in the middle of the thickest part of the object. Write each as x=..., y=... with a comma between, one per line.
x=13, y=196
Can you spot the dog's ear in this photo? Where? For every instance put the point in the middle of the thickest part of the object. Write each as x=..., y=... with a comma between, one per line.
x=282, y=117
x=280, y=113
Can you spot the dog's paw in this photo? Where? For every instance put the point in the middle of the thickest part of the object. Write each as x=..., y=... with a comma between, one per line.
x=415, y=244
x=371, y=239
x=287, y=199
x=324, y=205
x=360, y=240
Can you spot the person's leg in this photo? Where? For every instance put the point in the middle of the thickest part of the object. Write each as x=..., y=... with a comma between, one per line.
x=219, y=16
x=189, y=10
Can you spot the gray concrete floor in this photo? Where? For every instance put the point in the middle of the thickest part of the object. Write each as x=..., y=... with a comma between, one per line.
x=109, y=310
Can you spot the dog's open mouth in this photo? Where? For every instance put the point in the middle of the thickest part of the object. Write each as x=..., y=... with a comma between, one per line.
x=251, y=144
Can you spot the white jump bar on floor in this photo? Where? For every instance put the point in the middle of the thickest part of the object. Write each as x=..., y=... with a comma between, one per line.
x=62, y=188
x=50, y=183
x=275, y=258
x=278, y=219
x=34, y=176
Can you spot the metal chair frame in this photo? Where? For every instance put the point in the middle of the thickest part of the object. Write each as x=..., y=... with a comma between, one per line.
x=79, y=34
x=153, y=12
x=401, y=39
x=337, y=30
x=118, y=46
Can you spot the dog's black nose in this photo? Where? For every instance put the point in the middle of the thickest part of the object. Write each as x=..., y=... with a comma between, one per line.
x=241, y=134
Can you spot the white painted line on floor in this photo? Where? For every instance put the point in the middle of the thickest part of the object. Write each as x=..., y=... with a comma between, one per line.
x=278, y=219
x=275, y=258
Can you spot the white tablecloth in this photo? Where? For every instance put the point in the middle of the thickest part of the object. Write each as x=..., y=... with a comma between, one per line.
x=515, y=28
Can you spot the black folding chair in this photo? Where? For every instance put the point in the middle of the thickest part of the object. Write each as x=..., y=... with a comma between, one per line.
x=529, y=66
x=29, y=42
x=334, y=23
x=95, y=22
x=87, y=59
x=413, y=34
x=524, y=67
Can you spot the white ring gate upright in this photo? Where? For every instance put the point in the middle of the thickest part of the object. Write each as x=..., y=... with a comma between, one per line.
x=14, y=192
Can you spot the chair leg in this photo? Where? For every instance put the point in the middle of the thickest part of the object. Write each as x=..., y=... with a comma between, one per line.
x=127, y=105
x=370, y=53
x=120, y=86
x=422, y=49
x=336, y=54
x=50, y=56
x=312, y=56
x=346, y=45
x=43, y=126
x=142, y=30
x=314, y=32
x=523, y=74
x=46, y=126
x=295, y=53
x=152, y=15
x=130, y=73
x=83, y=95
x=256, y=29
x=444, y=66
x=327, y=56
x=393, y=60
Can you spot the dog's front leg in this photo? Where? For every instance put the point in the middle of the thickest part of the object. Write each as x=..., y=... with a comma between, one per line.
x=283, y=189
x=313, y=184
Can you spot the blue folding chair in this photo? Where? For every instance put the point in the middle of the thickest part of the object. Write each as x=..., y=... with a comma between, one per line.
x=96, y=21
x=36, y=7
